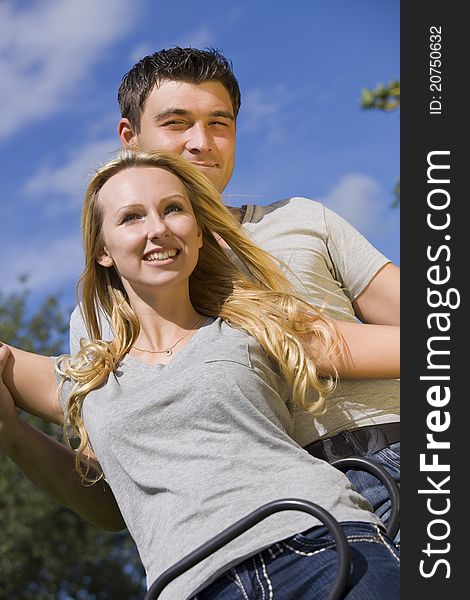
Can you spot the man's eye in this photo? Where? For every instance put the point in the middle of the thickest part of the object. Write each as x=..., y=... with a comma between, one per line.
x=174, y=124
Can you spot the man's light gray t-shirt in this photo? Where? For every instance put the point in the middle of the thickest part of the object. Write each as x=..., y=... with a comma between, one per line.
x=190, y=448
x=333, y=263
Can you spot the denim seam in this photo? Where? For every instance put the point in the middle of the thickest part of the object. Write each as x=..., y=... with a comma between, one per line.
x=258, y=578
x=384, y=541
x=351, y=538
x=239, y=583
x=268, y=581
x=274, y=554
x=301, y=553
x=364, y=538
x=387, y=458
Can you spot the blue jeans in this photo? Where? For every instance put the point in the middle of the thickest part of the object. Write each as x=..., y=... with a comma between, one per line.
x=304, y=568
x=371, y=488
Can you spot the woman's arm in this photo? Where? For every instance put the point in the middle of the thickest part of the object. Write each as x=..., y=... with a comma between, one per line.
x=51, y=467
x=365, y=352
x=31, y=381
x=49, y=464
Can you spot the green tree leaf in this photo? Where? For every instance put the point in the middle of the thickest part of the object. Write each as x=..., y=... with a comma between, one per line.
x=386, y=98
x=382, y=97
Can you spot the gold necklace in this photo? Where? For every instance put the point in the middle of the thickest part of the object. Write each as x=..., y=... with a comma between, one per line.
x=169, y=351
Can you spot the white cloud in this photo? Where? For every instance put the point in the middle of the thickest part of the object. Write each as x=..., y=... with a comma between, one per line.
x=47, y=51
x=49, y=266
x=69, y=180
x=357, y=198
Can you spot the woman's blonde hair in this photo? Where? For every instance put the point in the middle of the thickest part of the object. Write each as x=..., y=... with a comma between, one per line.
x=255, y=296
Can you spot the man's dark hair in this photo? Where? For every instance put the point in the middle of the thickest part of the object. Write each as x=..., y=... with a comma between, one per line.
x=174, y=64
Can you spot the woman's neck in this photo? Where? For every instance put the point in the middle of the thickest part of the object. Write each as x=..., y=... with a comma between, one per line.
x=166, y=326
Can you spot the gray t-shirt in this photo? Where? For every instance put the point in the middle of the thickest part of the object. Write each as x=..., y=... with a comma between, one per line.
x=332, y=264
x=190, y=448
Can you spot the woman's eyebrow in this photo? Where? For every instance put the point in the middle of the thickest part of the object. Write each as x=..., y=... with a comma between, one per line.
x=138, y=205
x=126, y=207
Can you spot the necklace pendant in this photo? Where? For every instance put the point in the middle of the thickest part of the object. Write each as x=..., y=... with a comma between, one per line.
x=168, y=352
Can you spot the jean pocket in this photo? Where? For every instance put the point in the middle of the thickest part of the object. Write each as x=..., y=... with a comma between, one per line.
x=312, y=540
x=389, y=456
x=320, y=538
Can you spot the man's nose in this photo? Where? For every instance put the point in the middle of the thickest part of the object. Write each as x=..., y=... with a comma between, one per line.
x=199, y=139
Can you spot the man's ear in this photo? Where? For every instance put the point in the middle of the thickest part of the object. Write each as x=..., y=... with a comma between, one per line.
x=105, y=259
x=126, y=133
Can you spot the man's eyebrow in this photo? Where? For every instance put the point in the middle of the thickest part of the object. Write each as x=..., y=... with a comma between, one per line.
x=173, y=110
x=222, y=113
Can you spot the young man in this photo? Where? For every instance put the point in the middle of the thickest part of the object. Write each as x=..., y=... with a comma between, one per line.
x=187, y=101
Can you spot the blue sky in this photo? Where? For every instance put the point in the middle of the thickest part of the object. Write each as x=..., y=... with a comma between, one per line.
x=301, y=67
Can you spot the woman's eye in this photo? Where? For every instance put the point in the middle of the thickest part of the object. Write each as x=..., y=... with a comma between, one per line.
x=173, y=208
x=130, y=217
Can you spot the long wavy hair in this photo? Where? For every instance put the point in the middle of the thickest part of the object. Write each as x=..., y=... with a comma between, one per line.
x=254, y=296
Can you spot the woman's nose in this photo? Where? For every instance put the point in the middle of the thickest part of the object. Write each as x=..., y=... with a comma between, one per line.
x=157, y=228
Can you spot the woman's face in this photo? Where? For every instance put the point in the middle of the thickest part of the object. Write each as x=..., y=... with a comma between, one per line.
x=150, y=233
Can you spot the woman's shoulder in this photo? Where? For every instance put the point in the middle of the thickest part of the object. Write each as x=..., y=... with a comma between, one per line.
x=237, y=340
x=224, y=334
x=227, y=342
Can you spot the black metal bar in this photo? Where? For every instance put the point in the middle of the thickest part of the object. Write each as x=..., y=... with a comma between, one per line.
x=359, y=462
x=227, y=535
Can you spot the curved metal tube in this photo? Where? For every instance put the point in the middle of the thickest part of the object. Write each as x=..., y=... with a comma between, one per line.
x=227, y=535
x=358, y=462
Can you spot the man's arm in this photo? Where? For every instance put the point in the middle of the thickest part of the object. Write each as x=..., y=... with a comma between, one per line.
x=365, y=352
x=51, y=465
x=371, y=282
x=379, y=302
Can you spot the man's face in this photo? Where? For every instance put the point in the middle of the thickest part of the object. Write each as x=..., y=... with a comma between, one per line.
x=193, y=120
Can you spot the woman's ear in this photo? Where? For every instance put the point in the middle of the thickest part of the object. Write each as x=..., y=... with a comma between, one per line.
x=200, y=236
x=105, y=259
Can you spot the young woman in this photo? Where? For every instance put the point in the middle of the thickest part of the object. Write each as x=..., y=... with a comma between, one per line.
x=186, y=409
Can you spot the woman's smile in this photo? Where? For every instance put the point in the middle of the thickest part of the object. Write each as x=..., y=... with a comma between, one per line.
x=162, y=256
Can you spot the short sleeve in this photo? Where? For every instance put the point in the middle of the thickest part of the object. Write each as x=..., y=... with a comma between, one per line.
x=78, y=330
x=356, y=261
